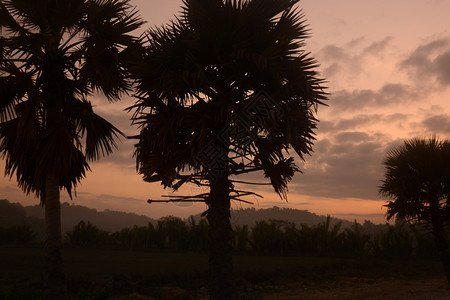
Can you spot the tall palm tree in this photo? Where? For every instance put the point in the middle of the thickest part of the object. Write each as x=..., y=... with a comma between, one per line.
x=417, y=179
x=54, y=55
x=225, y=90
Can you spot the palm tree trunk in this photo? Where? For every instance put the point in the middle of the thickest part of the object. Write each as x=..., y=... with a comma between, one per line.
x=222, y=284
x=54, y=279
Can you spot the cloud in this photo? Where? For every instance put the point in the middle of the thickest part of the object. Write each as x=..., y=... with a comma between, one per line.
x=352, y=137
x=430, y=61
x=9, y=189
x=122, y=156
x=442, y=68
x=377, y=47
x=346, y=166
x=359, y=215
x=118, y=198
x=437, y=124
x=360, y=121
x=388, y=94
x=354, y=50
x=337, y=60
x=350, y=58
x=333, y=52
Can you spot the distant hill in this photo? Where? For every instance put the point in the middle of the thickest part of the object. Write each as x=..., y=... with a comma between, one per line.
x=112, y=221
x=107, y=220
x=14, y=214
x=250, y=216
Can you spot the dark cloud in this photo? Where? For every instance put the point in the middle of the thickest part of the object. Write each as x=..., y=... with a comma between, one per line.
x=349, y=57
x=8, y=189
x=355, y=42
x=389, y=94
x=352, y=137
x=442, y=68
x=395, y=117
x=351, y=128
x=430, y=61
x=360, y=215
x=118, y=198
x=362, y=218
x=333, y=52
x=122, y=156
x=422, y=53
x=332, y=69
x=437, y=124
x=353, y=123
x=347, y=166
x=347, y=124
x=377, y=47
x=344, y=53
x=335, y=59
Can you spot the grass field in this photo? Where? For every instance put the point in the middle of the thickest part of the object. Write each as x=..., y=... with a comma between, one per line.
x=120, y=274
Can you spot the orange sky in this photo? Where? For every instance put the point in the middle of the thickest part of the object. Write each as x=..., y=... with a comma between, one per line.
x=388, y=67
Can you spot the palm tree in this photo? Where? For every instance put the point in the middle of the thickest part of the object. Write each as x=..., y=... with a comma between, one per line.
x=54, y=55
x=417, y=179
x=225, y=90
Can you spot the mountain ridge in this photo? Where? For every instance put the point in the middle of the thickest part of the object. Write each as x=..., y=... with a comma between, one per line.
x=113, y=221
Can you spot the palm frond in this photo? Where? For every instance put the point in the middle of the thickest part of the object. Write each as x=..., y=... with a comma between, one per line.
x=53, y=54
x=9, y=23
x=100, y=134
x=56, y=152
x=280, y=173
x=11, y=93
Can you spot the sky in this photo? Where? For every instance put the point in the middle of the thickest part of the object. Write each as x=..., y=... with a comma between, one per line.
x=387, y=67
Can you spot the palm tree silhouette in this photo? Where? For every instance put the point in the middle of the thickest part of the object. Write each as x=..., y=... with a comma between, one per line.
x=417, y=179
x=225, y=90
x=54, y=55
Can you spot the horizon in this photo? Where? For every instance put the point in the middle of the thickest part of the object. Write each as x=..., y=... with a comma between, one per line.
x=185, y=217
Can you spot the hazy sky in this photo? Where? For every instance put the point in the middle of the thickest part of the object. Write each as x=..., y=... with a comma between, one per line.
x=388, y=71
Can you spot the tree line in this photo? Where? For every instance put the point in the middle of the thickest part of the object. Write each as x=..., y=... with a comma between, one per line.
x=267, y=237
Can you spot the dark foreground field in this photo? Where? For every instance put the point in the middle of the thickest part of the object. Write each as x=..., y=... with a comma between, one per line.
x=118, y=274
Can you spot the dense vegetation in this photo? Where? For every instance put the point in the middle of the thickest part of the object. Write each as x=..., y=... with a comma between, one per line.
x=270, y=237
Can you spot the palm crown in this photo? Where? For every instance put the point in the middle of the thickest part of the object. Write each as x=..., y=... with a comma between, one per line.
x=54, y=55
x=204, y=82
x=417, y=180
